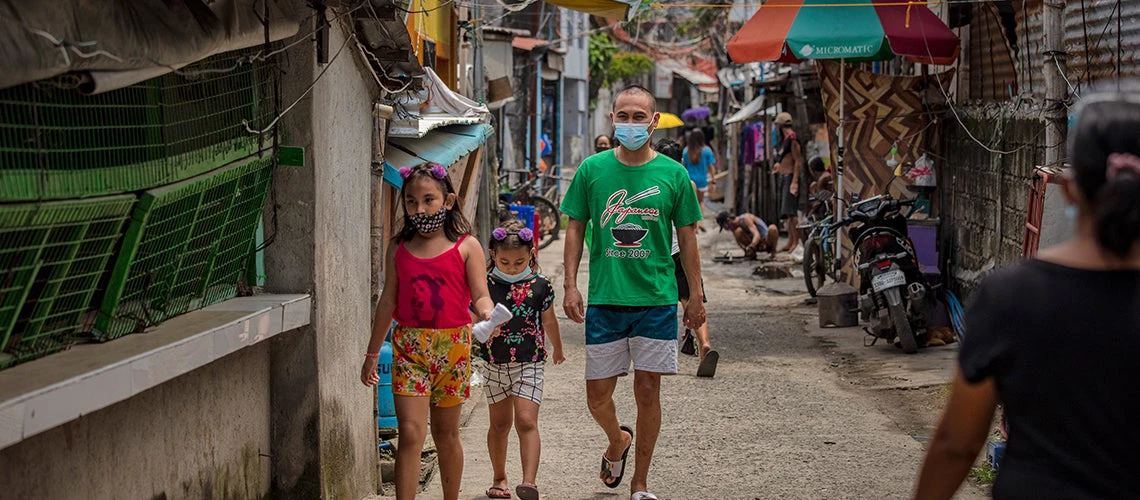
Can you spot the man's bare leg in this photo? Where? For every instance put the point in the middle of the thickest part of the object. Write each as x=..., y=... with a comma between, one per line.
x=600, y=399
x=773, y=239
x=647, y=392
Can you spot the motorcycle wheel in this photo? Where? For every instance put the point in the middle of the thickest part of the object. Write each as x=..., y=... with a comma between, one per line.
x=902, y=329
x=549, y=218
x=814, y=272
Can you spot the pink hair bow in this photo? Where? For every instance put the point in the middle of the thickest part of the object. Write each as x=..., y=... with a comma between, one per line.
x=1119, y=163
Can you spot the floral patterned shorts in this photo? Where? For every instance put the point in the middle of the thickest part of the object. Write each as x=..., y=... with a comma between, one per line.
x=432, y=362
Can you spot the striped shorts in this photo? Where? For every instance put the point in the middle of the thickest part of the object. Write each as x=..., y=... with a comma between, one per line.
x=521, y=380
x=617, y=336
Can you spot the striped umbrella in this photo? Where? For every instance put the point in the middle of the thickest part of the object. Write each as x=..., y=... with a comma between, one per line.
x=847, y=30
x=853, y=30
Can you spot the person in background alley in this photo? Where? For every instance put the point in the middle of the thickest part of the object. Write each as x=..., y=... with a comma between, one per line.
x=513, y=359
x=708, y=358
x=751, y=233
x=788, y=158
x=601, y=143
x=1056, y=340
x=634, y=197
x=700, y=162
x=440, y=272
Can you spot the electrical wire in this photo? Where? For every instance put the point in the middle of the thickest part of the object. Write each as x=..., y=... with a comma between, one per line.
x=67, y=48
x=422, y=11
x=899, y=3
x=313, y=85
x=259, y=56
x=954, y=111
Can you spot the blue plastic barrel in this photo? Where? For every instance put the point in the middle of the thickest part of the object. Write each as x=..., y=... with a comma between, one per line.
x=526, y=214
x=385, y=403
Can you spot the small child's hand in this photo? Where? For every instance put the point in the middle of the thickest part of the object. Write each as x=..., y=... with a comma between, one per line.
x=558, y=357
x=368, y=375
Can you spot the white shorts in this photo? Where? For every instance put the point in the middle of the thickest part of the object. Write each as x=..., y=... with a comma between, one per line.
x=521, y=380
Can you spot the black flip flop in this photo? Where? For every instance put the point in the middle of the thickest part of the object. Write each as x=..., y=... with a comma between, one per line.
x=607, y=465
x=526, y=492
x=707, y=369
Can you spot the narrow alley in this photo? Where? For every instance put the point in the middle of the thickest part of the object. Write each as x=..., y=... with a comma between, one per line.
x=781, y=419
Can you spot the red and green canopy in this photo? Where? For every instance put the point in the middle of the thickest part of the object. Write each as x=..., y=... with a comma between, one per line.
x=854, y=30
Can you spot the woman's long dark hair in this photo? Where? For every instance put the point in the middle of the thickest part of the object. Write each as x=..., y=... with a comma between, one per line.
x=454, y=226
x=696, y=144
x=1108, y=125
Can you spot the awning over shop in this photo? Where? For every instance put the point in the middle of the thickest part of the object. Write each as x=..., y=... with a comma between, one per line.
x=748, y=111
x=116, y=44
x=526, y=43
x=609, y=9
x=443, y=146
x=693, y=76
x=444, y=107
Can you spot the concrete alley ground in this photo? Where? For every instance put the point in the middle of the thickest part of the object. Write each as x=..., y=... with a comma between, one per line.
x=794, y=411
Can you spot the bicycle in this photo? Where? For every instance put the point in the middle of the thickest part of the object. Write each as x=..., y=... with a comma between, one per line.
x=819, y=247
x=549, y=218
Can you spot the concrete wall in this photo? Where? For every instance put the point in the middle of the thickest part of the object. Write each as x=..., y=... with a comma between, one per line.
x=287, y=418
x=324, y=431
x=983, y=196
x=576, y=142
x=202, y=435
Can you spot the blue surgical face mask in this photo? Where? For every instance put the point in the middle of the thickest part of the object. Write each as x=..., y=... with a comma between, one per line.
x=632, y=135
x=511, y=278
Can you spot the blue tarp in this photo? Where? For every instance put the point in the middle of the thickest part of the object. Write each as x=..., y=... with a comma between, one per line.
x=444, y=146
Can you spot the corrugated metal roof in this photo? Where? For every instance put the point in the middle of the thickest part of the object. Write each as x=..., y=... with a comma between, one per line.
x=693, y=76
x=526, y=43
x=1099, y=20
x=1091, y=40
x=499, y=30
x=443, y=146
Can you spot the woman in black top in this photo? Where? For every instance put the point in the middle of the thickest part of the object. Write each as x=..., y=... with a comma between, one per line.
x=1057, y=339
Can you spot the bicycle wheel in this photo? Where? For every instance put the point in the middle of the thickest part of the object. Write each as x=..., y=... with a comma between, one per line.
x=815, y=272
x=549, y=220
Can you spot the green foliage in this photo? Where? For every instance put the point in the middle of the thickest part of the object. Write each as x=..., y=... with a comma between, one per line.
x=602, y=50
x=629, y=65
x=983, y=474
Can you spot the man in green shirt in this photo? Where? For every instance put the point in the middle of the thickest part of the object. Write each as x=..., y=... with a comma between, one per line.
x=633, y=197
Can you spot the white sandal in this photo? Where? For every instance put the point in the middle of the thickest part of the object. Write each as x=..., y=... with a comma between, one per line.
x=643, y=495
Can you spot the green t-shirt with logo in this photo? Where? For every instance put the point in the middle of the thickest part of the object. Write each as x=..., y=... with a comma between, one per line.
x=633, y=211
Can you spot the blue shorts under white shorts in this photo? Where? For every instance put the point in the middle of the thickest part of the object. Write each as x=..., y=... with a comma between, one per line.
x=617, y=336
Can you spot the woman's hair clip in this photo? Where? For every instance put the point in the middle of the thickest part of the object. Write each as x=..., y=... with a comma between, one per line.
x=405, y=172
x=526, y=234
x=499, y=234
x=438, y=171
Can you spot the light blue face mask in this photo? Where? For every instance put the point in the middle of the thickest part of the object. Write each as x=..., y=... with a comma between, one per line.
x=632, y=135
x=511, y=278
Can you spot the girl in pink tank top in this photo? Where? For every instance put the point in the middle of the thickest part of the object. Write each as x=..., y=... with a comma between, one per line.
x=435, y=275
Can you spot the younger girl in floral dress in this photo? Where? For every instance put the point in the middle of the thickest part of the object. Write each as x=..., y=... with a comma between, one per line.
x=513, y=358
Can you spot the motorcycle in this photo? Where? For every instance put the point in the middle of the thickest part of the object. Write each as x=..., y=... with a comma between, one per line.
x=894, y=298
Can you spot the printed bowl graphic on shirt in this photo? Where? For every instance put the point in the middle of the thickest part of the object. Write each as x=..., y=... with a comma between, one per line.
x=628, y=234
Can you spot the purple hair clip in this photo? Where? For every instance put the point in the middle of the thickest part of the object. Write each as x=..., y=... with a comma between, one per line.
x=438, y=171
x=499, y=234
x=405, y=172
x=526, y=234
